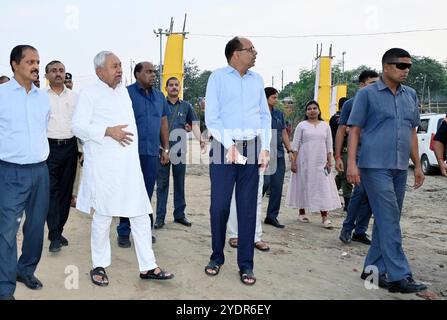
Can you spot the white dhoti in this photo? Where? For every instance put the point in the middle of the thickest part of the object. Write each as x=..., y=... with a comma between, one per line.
x=232, y=220
x=141, y=233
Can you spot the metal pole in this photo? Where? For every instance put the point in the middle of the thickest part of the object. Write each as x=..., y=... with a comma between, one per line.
x=282, y=80
x=160, y=69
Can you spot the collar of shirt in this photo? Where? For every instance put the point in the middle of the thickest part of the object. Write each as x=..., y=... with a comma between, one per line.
x=142, y=90
x=15, y=85
x=230, y=69
x=51, y=91
x=106, y=86
x=381, y=85
x=179, y=101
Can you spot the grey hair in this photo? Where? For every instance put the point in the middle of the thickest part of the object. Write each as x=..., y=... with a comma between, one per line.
x=100, y=59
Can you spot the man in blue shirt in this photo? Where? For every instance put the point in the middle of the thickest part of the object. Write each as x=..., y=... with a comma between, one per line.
x=24, y=180
x=182, y=117
x=151, y=111
x=387, y=115
x=238, y=118
x=274, y=178
x=359, y=211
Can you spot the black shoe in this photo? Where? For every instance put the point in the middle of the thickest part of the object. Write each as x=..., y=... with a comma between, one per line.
x=363, y=238
x=124, y=242
x=183, y=221
x=154, y=239
x=407, y=285
x=274, y=222
x=383, y=281
x=345, y=236
x=64, y=241
x=55, y=246
x=159, y=225
x=30, y=281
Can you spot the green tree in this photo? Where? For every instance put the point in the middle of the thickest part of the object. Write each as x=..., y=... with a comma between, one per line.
x=428, y=74
x=194, y=82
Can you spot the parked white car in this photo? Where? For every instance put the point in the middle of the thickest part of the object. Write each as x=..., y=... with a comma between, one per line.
x=430, y=123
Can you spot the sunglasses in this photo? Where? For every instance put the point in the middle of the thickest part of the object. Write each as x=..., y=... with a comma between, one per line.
x=401, y=65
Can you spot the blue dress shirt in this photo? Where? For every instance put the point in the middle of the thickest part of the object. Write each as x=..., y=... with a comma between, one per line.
x=387, y=122
x=148, y=110
x=236, y=107
x=278, y=124
x=23, y=123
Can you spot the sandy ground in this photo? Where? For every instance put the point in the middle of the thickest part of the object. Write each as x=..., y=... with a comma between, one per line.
x=305, y=261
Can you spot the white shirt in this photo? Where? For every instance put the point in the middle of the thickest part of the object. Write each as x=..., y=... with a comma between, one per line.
x=112, y=181
x=62, y=108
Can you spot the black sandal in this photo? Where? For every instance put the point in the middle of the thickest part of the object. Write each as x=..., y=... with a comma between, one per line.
x=214, y=266
x=99, y=271
x=162, y=275
x=247, y=275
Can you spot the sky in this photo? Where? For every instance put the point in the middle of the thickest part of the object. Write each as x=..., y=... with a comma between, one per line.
x=75, y=31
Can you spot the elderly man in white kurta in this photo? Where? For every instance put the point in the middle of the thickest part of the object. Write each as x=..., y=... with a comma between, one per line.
x=112, y=182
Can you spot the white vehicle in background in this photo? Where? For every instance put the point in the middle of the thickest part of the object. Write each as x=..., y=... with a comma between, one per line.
x=430, y=122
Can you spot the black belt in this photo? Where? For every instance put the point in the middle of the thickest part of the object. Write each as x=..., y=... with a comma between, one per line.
x=61, y=141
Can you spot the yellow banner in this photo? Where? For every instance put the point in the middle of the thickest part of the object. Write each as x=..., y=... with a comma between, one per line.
x=339, y=91
x=173, y=62
x=323, y=86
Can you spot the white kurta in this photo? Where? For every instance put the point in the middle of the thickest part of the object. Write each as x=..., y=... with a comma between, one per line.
x=112, y=181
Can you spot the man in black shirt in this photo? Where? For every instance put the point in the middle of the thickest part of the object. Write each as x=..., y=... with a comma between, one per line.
x=440, y=143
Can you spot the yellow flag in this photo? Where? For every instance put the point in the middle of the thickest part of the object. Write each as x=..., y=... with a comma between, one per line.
x=173, y=62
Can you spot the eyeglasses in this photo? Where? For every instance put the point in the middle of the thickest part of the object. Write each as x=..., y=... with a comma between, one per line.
x=251, y=49
x=401, y=65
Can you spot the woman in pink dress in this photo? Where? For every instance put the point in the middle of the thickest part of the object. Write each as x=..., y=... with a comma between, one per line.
x=312, y=185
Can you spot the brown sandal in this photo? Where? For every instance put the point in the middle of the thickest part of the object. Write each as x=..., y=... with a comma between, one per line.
x=233, y=242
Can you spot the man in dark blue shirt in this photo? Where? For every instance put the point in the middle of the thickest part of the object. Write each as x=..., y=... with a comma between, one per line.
x=151, y=111
x=181, y=118
x=359, y=211
x=274, y=175
x=386, y=113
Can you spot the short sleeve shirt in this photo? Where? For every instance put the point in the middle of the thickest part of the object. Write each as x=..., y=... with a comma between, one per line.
x=180, y=114
x=149, y=109
x=387, y=123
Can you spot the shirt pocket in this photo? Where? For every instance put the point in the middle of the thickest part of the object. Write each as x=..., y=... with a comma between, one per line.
x=385, y=111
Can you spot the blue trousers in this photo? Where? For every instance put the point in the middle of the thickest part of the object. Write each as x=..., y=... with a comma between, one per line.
x=386, y=192
x=359, y=212
x=22, y=188
x=223, y=178
x=275, y=181
x=149, y=166
x=178, y=173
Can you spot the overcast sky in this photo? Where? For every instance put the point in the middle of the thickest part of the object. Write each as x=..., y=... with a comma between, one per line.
x=74, y=31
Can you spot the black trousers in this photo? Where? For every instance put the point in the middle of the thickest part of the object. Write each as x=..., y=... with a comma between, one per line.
x=62, y=163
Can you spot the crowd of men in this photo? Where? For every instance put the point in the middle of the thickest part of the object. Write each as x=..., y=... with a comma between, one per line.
x=132, y=137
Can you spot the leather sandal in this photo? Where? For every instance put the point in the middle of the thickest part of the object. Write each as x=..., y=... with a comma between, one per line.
x=214, y=266
x=246, y=276
x=99, y=272
x=162, y=275
x=233, y=242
